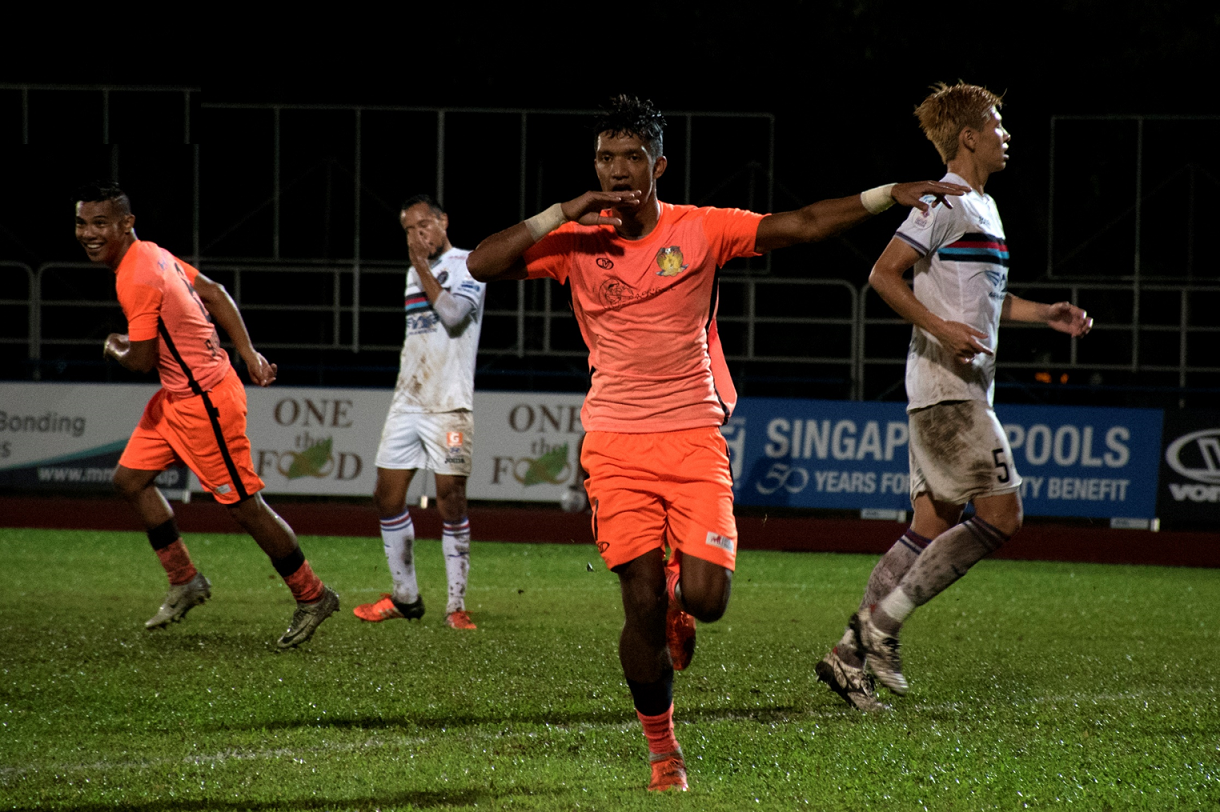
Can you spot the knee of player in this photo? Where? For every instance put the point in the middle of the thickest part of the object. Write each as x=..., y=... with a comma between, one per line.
x=707, y=605
x=126, y=482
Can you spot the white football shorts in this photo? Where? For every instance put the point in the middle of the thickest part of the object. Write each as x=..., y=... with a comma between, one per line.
x=442, y=442
x=959, y=452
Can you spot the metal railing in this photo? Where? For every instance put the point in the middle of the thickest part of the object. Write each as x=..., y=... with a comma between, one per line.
x=790, y=324
x=105, y=95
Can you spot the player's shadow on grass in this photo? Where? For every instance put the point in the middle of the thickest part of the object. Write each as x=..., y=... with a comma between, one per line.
x=406, y=724
x=414, y=800
x=617, y=716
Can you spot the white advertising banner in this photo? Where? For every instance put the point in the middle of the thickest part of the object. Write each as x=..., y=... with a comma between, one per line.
x=68, y=436
x=306, y=441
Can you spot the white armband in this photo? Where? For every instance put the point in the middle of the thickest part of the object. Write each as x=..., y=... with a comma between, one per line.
x=878, y=199
x=545, y=222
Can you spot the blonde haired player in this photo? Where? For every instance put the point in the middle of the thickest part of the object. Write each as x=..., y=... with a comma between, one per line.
x=959, y=452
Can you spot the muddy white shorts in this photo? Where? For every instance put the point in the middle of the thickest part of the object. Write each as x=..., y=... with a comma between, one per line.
x=959, y=452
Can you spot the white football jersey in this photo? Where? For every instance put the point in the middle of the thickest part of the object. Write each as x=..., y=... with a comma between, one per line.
x=436, y=370
x=962, y=275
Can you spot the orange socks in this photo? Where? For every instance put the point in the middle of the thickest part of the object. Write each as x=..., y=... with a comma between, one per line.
x=306, y=587
x=659, y=730
x=177, y=563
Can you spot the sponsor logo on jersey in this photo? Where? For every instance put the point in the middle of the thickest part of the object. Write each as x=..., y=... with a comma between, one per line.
x=442, y=277
x=605, y=263
x=669, y=260
x=723, y=542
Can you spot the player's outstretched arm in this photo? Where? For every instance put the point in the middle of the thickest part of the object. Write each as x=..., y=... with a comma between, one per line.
x=499, y=256
x=138, y=356
x=827, y=218
x=961, y=340
x=224, y=311
x=1062, y=316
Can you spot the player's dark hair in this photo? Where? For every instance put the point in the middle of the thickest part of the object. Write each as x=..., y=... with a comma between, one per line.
x=631, y=115
x=99, y=190
x=427, y=200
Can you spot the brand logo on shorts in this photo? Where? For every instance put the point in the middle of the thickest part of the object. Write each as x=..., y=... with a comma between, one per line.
x=223, y=489
x=723, y=542
x=453, y=439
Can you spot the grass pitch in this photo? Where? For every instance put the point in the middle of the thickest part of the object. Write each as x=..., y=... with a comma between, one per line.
x=1033, y=686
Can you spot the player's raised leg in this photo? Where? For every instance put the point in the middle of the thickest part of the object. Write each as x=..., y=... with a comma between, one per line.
x=187, y=586
x=455, y=541
x=398, y=541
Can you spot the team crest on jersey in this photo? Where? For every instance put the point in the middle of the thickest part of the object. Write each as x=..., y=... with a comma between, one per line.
x=670, y=261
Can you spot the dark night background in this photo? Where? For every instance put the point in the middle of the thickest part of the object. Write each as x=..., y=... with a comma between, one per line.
x=841, y=79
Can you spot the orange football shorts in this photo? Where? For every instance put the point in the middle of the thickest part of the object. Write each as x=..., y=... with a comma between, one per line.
x=206, y=432
x=671, y=488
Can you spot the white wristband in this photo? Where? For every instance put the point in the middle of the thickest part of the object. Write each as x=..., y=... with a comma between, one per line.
x=877, y=199
x=545, y=222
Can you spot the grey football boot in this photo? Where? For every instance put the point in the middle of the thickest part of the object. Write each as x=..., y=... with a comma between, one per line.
x=308, y=617
x=880, y=652
x=851, y=682
x=179, y=600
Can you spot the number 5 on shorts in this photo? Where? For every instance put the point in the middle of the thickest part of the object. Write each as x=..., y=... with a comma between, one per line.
x=997, y=454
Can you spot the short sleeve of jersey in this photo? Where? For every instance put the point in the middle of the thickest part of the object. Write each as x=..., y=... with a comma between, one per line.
x=731, y=233
x=550, y=255
x=926, y=231
x=141, y=298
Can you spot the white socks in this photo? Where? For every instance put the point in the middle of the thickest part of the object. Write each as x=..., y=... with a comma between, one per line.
x=455, y=540
x=398, y=537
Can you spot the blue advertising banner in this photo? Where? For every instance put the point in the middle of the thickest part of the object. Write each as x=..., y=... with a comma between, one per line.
x=1074, y=461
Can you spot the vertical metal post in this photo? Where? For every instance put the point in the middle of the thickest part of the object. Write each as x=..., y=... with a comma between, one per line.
x=521, y=214
x=25, y=115
x=114, y=162
x=1139, y=221
x=355, y=250
x=1190, y=224
x=1183, y=325
x=440, y=157
x=275, y=184
x=1050, y=208
x=195, y=250
x=186, y=117
x=106, y=116
x=690, y=121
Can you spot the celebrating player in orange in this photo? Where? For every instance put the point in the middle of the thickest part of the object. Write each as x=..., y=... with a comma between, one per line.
x=198, y=416
x=643, y=281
